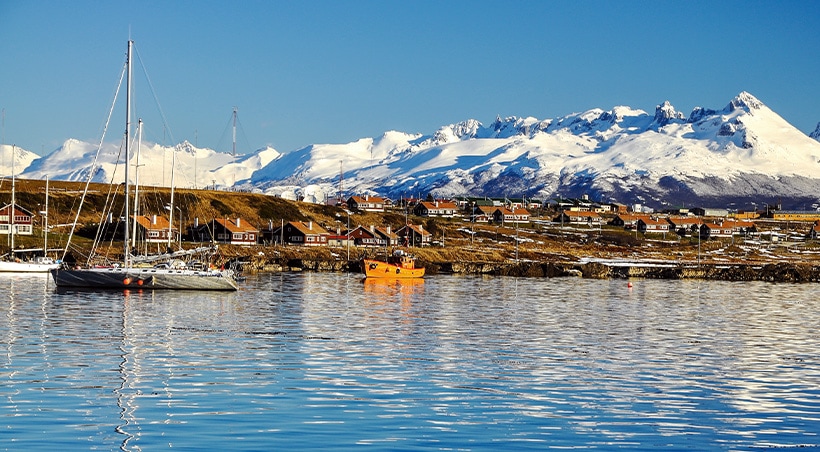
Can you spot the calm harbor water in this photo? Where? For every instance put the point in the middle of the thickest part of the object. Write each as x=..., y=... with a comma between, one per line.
x=323, y=361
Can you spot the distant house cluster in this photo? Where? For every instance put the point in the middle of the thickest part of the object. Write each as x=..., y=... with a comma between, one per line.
x=705, y=227
x=705, y=223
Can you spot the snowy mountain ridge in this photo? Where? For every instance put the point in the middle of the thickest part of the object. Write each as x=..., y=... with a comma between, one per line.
x=743, y=153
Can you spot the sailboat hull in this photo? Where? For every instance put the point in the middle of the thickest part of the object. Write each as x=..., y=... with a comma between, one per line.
x=148, y=278
x=26, y=267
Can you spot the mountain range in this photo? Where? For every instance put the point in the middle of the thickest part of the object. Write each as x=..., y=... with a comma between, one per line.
x=737, y=156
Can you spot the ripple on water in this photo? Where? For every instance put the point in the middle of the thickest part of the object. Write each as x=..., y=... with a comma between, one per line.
x=320, y=361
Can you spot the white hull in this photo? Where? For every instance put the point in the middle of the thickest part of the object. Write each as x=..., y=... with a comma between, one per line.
x=27, y=267
x=144, y=278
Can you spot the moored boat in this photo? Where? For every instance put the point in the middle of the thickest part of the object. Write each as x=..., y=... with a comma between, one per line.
x=124, y=275
x=144, y=278
x=399, y=265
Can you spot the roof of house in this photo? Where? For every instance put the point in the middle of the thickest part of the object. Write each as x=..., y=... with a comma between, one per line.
x=232, y=226
x=19, y=207
x=438, y=205
x=387, y=234
x=417, y=228
x=628, y=217
x=680, y=221
x=147, y=221
x=573, y=213
x=366, y=199
x=309, y=228
x=653, y=222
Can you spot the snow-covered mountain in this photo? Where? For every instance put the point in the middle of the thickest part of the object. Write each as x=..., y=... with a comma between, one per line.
x=743, y=153
x=194, y=167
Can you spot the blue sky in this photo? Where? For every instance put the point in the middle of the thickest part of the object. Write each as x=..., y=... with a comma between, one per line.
x=335, y=71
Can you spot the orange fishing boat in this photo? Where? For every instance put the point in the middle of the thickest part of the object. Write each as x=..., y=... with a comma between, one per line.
x=399, y=265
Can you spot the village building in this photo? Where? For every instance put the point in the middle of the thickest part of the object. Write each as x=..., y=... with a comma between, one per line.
x=303, y=233
x=234, y=231
x=366, y=203
x=648, y=225
x=23, y=220
x=616, y=208
x=814, y=232
x=436, y=209
x=795, y=215
x=709, y=212
x=414, y=235
x=482, y=213
x=684, y=225
x=387, y=234
x=714, y=231
x=362, y=236
x=741, y=227
x=154, y=229
x=513, y=215
x=578, y=217
x=626, y=221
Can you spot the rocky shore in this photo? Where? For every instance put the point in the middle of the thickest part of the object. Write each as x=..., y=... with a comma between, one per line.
x=771, y=272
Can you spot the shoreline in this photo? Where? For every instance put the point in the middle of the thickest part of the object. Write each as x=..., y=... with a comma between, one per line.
x=592, y=269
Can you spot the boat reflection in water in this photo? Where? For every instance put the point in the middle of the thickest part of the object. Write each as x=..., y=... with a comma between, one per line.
x=403, y=290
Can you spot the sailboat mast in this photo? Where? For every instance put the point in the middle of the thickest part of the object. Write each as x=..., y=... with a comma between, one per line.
x=126, y=238
x=45, y=224
x=233, y=149
x=171, y=209
x=137, y=184
x=13, y=202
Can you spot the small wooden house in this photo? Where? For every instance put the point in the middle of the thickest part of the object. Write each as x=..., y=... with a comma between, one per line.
x=23, y=220
x=301, y=233
x=414, y=235
x=234, y=231
x=154, y=229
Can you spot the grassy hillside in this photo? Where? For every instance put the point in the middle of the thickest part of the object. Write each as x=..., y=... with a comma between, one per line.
x=462, y=241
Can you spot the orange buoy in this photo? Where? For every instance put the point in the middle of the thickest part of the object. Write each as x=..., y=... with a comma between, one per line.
x=126, y=281
x=139, y=282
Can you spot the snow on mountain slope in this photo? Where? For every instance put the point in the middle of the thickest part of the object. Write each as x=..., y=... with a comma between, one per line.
x=194, y=167
x=14, y=159
x=743, y=152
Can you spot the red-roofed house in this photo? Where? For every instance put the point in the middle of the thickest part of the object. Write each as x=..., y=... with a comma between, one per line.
x=516, y=214
x=366, y=203
x=653, y=225
x=415, y=235
x=436, y=209
x=234, y=231
x=154, y=229
x=22, y=220
x=302, y=233
x=573, y=217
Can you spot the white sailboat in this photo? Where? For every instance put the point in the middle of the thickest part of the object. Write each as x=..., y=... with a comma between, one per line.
x=13, y=264
x=126, y=276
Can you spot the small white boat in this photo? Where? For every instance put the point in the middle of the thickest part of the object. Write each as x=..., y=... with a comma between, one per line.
x=39, y=264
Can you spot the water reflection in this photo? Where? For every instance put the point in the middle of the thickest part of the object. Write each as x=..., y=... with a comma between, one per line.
x=320, y=361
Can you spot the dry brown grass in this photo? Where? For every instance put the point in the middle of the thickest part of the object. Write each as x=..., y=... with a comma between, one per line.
x=487, y=243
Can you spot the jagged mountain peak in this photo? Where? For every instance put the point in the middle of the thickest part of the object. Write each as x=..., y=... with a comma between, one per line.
x=666, y=114
x=745, y=101
x=816, y=133
x=744, y=151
